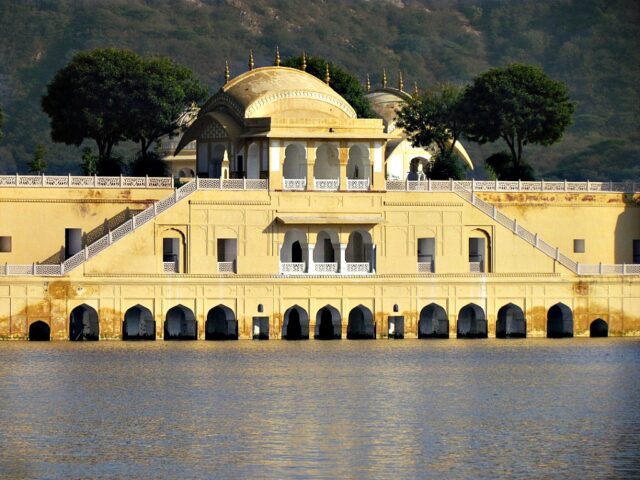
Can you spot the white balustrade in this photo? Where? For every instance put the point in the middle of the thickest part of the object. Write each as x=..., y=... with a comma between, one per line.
x=226, y=267
x=512, y=186
x=358, y=267
x=357, y=184
x=294, y=183
x=425, y=267
x=326, y=184
x=71, y=181
x=326, y=267
x=292, y=268
x=170, y=267
x=476, y=267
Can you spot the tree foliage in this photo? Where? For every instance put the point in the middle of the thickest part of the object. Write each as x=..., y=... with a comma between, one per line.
x=436, y=117
x=89, y=162
x=343, y=82
x=519, y=104
x=1, y=120
x=38, y=165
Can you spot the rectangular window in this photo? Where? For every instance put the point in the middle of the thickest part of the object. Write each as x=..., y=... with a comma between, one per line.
x=476, y=254
x=5, y=244
x=170, y=249
x=578, y=245
x=227, y=249
x=426, y=254
x=636, y=251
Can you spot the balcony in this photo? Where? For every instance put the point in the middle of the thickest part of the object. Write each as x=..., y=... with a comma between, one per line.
x=325, y=267
x=425, y=267
x=326, y=184
x=295, y=184
x=226, y=267
x=360, y=267
x=476, y=267
x=292, y=268
x=170, y=267
x=357, y=185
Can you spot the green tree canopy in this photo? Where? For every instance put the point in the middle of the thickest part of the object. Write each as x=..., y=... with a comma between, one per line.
x=38, y=165
x=436, y=117
x=519, y=104
x=1, y=120
x=343, y=82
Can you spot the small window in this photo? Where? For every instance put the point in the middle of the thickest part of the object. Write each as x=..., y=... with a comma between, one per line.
x=578, y=245
x=395, y=308
x=227, y=249
x=260, y=308
x=636, y=251
x=5, y=244
x=426, y=249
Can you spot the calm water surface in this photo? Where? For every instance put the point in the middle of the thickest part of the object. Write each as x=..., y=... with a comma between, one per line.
x=345, y=409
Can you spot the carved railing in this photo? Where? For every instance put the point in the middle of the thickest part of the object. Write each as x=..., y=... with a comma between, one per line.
x=294, y=183
x=232, y=184
x=326, y=184
x=71, y=181
x=425, y=267
x=510, y=186
x=226, y=267
x=358, y=267
x=357, y=185
x=325, y=267
x=170, y=267
x=476, y=267
x=292, y=268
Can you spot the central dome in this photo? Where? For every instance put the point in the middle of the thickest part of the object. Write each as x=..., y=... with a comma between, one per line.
x=287, y=92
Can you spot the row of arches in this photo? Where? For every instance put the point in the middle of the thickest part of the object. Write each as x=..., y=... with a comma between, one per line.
x=326, y=165
x=221, y=324
x=327, y=248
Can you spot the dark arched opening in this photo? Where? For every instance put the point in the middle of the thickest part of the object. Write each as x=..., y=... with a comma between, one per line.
x=180, y=324
x=296, y=324
x=360, y=326
x=433, y=322
x=83, y=324
x=511, y=322
x=599, y=328
x=296, y=252
x=328, y=324
x=559, y=321
x=221, y=324
x=138, y=324
x=472, y=322
x=39, y=331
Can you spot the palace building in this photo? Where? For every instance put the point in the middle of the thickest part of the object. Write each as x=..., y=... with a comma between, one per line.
x=304, y=221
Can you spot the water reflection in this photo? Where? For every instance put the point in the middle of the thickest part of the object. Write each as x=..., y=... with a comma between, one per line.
x=401, y=409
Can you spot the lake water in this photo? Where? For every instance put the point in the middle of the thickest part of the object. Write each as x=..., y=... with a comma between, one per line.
x=339, y=409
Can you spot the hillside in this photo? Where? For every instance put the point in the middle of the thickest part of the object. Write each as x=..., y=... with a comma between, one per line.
x=592, y=45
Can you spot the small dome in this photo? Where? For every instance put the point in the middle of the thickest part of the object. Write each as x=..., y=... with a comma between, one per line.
x=385, y=102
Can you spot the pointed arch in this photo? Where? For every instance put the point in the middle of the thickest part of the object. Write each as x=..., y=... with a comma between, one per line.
x=433, y=322
x=180, y=324
x=39, y=331
x=221, y=324
x=472, y=322
x=361, y=325
x=253, y=161
x=84, y=324
x=328, y=324
x=511, y=322
x=138, y=324
x=559, y=321
x=599, y=328
x=296, y=324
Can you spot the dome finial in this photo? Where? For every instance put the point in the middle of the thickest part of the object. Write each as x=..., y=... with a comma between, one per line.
x=304, y=61
x=277, y=56
x=327, y=75
x=251, y=64
x=227, y=72
x=400, y=81
x=416, y=91
x=368, y=83
x=384, y=78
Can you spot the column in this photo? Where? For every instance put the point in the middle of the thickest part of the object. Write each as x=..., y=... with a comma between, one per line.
x=275, y=165
x=376, y=157
x=310, y=264
x=343, y=153
x=311, y=157
x=372, y=261
x=343, y=256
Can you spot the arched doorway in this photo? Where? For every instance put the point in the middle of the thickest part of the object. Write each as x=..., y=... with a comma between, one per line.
x=328, y=324
x=325, y=248
x=479, y=251
x=559, y=321
x=294, y=252
x=360, y=326
x=180, y=324
x=358, y=164
x=296, y=324
x=221, y=324
x=327, y=164
x=253, y=161
x=359, y=251
x=138, y=324
x=39, y=331
x=295, y=162
x=418, y=168
x=511, y=322
x=186, y=173
x=472, y=322
x=433, y=322
x=599, y=328
x=83, y=324
x=215, y=162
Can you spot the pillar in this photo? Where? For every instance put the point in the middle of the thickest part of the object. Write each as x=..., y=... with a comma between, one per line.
x=311, y=157
x=377, y=159
x=310, y=264
x=343, y=153
x=275, y=165
x=343, y=255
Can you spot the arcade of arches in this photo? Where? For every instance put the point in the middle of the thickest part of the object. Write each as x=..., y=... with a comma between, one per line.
x=179, y=323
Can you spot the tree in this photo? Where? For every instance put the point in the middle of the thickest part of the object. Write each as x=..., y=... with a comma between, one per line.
x=89, y=163
x=38, y=165
x=150, y=164
x=161, y=95
x=343, y=82
x=1, y=120
x=91, y=98
x=503, y=168
x=520, y=104
x=437, y=117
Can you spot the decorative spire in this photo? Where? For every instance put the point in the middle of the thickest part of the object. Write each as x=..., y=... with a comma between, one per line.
x=327, y=75
x=416, y=91
x=277, y=56
x=304, y=61
x=400, y=81
x=227, y=73
x=251, y=64
x=384, y=78
x=368, y=83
